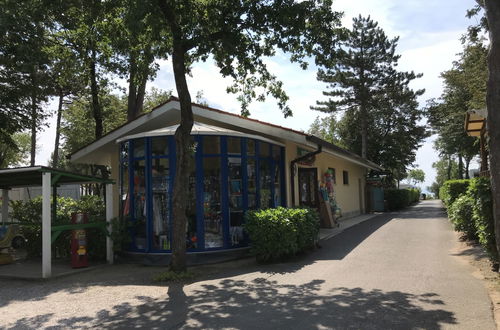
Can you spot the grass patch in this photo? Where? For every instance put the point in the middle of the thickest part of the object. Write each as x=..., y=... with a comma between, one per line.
x=171, y=276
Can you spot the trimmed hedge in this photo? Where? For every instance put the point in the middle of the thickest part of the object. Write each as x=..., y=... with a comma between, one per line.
x=480, y=192
x=470, y=209
x=400, y=198
x=414, y=195
x=452, y=189
x=461, y=215
x=281, y=232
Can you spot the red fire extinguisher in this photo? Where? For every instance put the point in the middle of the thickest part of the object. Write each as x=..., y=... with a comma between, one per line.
x=79, y=242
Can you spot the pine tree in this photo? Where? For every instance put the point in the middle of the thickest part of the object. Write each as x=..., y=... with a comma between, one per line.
x=380, y=109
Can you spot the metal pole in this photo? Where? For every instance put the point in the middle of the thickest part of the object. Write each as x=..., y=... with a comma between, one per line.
x=5, y=206
x=46, y=226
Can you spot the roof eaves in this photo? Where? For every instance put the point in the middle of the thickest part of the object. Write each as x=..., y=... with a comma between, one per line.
x=344, y=152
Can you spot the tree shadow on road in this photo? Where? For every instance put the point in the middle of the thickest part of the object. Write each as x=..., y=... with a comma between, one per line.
x=266, y=304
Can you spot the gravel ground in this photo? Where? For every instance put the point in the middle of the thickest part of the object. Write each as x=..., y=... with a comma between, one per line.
x=394, y=271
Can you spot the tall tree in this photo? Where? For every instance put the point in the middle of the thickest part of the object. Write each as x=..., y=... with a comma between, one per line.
x=137, y=42
x=24, y=78
x=18, y=155
x=361, y=78
x=446, y=169
x=416, y=176
x=327, y=129
x=237, y=35
x=493, y=104
x=66, y=77
x=464, y=89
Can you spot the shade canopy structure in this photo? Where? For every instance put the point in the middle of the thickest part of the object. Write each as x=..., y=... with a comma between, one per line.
x=50, y=178
x=32, y=176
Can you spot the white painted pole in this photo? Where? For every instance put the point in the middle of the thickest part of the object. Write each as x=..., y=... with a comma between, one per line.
x=5, y=205
x=46, y=227
x=109, y=216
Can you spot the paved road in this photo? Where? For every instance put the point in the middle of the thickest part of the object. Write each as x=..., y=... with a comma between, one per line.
x=394, y=271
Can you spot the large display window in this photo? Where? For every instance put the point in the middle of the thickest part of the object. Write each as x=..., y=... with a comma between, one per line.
x=229, y=176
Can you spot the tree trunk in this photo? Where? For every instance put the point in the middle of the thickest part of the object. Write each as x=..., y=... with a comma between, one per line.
x=467, y=163
x=137, y=87
x=460, y=167
x=364, y=131
x=55, y=156
x=94, y=89
x=448, y=171
x=132, y=90
x=493, y=104
x=484, y=152
x=182, y=139
x=33, y=130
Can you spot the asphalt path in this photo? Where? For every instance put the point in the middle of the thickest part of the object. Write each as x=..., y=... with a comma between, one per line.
x=394, y=271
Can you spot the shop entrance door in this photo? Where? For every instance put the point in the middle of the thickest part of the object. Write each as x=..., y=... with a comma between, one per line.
x=308, y=187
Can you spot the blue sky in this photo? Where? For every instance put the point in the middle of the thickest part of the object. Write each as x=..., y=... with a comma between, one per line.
x=429, y=32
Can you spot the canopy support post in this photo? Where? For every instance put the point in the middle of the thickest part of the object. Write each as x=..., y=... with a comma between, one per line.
x=46, y=226
x=5, y=205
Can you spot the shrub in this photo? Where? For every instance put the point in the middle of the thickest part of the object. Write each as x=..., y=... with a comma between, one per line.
x=29, y=214
x=480, y=192
x=397, y=198
x=461, y=215
x=414, y=195
x=281, y=232
x=452, y=189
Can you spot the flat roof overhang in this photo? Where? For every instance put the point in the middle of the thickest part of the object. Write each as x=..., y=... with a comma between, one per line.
x=32, y=176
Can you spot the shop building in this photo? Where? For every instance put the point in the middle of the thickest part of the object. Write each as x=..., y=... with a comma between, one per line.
x=239, y=164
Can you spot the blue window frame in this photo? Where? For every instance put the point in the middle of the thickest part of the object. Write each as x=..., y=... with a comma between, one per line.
x=230, y=176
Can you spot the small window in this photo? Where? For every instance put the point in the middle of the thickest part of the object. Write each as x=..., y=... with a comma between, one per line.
x=345, y=176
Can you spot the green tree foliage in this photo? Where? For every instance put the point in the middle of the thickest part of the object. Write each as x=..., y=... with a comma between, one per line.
x=380, y=109
x=464, y=89
x=154, y=97
x=446, y=169
x=416, y=176
x=78, y=120
x=237, y=35
x=326, y=128
x=24, y=76
x=17, y=155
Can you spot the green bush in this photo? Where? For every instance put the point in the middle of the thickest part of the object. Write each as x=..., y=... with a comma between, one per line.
x=480, y=191
x=281, y=232
x=29, y=214
x=452, y=189
x=396, y=198
x=461, y=215
x=414, y=195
